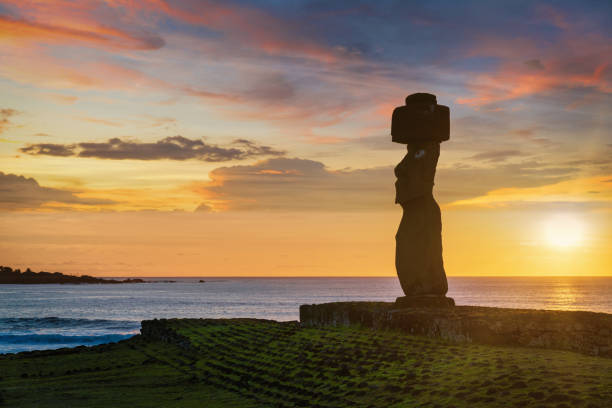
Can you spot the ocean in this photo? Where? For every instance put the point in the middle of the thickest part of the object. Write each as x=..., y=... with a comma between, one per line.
x=37, y=317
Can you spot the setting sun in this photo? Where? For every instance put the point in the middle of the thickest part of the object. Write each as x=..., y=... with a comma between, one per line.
x=563, y=231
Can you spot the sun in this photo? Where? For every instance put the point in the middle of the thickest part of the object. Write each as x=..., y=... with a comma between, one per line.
x=563, y=231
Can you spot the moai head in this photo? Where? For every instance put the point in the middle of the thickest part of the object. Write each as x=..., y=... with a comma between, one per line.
x=420, y=120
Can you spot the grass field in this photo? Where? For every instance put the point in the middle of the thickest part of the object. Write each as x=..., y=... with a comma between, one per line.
x=255, y=363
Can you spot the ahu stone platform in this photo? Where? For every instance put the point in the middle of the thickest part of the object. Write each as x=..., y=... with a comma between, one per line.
x=583, y=332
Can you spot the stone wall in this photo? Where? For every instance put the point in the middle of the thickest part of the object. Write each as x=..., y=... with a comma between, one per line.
x=584, y=332
x=159, y=329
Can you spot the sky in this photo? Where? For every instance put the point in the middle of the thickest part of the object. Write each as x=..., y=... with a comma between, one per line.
x=252, y=138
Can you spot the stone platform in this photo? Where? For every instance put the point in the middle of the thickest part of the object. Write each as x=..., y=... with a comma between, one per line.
x=584, y=332
x=423, y=301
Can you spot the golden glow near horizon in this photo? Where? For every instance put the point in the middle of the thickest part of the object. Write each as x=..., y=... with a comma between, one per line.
x=159, y=138
x=564, y=231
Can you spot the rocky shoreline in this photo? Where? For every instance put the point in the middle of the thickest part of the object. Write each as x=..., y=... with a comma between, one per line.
x=8, y=276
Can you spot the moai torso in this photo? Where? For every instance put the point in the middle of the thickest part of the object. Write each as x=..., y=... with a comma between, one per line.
x=418, y=256
x=415, y=173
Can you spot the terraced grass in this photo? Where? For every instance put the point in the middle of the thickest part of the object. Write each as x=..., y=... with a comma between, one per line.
x=133, y=373
x=255, y=363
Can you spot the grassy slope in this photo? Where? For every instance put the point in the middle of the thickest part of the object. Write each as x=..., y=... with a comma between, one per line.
x=247, y=363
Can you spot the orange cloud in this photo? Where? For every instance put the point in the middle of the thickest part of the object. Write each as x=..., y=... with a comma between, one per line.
x=99, y=121
x=19, y=30
x=26, y=194
x=60, y=98
x=593, y=190
x=508, y=84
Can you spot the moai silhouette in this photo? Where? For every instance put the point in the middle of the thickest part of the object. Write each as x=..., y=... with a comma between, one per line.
x=422, y=125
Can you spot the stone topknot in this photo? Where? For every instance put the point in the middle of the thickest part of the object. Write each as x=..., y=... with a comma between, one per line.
x=421, y=97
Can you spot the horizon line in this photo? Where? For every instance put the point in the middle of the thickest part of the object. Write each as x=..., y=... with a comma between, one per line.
x=353, y=276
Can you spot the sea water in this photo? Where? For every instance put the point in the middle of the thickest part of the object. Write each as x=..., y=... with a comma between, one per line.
x=36, y=317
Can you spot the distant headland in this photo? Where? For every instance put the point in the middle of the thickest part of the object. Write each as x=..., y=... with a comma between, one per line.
x=10, y=276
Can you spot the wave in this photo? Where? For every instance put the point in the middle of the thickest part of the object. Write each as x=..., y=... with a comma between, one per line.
x=23, y=339
x=24, y=323
x=40, y=333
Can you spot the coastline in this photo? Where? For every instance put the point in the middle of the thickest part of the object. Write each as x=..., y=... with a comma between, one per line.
x=8, y=276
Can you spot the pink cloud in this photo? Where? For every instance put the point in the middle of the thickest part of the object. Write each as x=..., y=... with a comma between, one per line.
x=128, y=24
x=87, y=31
x=513, y=82
x=37, y=54
x=34, y=66
x=60, y=98
x=99, y=121
x=578, y=58
x=243, y=24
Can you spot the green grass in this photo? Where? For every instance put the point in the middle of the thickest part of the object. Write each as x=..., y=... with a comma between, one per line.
x=254, y=363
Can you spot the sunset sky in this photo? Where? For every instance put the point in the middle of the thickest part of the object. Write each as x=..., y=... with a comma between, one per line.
x=235, y=138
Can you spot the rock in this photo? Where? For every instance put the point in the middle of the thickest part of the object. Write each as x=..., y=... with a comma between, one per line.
x=158, y=329
x=10, y=276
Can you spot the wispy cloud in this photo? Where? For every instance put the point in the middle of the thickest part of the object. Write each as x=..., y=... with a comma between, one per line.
x=99, y=121
x=48, y=149
x=169, y=148
x=461, y=182
x=579, y=58
x=496, y=155
x=244, y=25
x=21, y=30
x=593, y=192
x=5, y=115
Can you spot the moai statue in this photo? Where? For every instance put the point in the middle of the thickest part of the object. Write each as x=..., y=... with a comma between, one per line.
x=422, y=125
